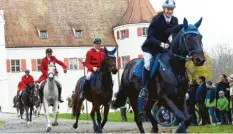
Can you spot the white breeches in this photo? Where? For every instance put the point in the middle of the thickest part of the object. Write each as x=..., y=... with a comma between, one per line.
x=147, y=58
x=88, y=76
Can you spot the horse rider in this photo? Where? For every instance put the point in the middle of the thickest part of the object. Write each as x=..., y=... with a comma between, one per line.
x=156, y=42
x=93, y=61
x=44, y=69
x=21, y=87
x=27, y=78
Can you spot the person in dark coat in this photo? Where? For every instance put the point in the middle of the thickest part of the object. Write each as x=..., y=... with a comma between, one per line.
x=200, y=100
x=191, y=102
x=156, y=42
x=223, y=85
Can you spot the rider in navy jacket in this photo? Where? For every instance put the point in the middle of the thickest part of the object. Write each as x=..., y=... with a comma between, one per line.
x=156, y=42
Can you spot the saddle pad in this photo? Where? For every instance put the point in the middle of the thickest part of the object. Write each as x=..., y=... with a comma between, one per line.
x=95, y=81
x=138, y=70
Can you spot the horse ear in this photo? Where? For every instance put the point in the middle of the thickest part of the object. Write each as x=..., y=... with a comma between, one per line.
x=114, y=50
x=105, y=50
x=197, y=25
x=185, y=23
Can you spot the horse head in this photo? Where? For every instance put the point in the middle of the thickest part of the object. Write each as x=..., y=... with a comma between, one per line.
x=30, y=89
x=109, y=62
x=51, y=70
x=188, y=43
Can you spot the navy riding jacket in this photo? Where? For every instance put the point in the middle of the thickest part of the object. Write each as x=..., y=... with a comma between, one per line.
x=157, y=34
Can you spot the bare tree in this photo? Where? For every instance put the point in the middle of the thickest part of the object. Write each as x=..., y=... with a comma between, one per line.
x=222, y=60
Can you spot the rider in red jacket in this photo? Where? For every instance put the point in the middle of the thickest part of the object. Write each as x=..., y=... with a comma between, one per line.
x=93, y=61
x=44, y=69
x=27, y=78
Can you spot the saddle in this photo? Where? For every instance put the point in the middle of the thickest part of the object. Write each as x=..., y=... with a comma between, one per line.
x=161, y=65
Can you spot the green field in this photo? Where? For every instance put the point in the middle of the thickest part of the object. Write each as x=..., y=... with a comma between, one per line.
x=113, y=116
x=2, y=122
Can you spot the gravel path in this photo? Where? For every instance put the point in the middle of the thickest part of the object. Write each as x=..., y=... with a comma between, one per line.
x=15, y=125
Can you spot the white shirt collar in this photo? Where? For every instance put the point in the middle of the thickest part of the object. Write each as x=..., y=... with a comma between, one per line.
x=167, y=19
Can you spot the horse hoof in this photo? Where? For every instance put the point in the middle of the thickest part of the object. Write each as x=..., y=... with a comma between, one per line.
x=96, y=129
x=154, y=130
x=75, y=126
x=55, y=124
x=48, y=129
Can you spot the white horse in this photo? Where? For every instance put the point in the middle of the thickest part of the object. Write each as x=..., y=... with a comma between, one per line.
x=50, y=98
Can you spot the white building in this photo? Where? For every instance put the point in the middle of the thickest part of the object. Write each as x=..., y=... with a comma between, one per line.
x=69, y=31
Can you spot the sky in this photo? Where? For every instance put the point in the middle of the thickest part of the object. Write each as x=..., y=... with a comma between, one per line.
x=217, y=23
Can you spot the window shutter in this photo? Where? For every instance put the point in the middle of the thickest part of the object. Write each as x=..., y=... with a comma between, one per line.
x=118, y=35
x=127, y=33
x=140, y=56
x=66, y=62
x=34, y=65
x=80, y=65
x=119, y=62
x=128, y=59
x=23, y=65
x=8, y=65
x=139, y=31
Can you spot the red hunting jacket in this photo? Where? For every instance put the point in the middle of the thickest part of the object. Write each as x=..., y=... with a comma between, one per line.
x=21, y=86
x=94, y=59
x=44, y=67
x=27, y=80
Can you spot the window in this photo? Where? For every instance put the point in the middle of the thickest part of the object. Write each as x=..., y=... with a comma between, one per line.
x=15, y=65
x=78, y=34
x=38, y=61
x=43, y=35
x=73, y=63
x=123, y=35
x=124, y=61
x=144, y=31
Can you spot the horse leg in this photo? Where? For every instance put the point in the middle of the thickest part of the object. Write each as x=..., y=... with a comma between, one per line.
x=106, y=111
x=92, y=114
x=55, y=112
x=46, y=110
x=150, y=116
x=98, y=118
x=79, y=104
x=136, y=116
x=27, y=116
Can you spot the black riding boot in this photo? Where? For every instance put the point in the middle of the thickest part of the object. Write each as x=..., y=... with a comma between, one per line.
x=59, y=94
x=143, y=95
x=85, y=88
x=41, y=94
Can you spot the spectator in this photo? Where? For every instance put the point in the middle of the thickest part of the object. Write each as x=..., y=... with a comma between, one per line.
x=223, y=85
x=210, y=101
x=191, y=102
x=230, y=78
x=222, y=105
x=200, y=99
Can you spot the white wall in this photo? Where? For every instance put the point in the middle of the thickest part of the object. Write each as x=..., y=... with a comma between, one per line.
x=132, y=45
x=68, y=80
x=3, y=75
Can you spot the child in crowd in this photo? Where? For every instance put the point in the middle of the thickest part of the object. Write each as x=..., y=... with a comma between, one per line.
x=210, y=101
x=222, y=105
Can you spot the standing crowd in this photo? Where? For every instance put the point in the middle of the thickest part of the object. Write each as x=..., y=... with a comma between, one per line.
x=213, y=100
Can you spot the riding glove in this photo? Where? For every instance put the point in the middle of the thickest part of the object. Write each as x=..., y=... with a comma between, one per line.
x=164, y=45
x=95, y=68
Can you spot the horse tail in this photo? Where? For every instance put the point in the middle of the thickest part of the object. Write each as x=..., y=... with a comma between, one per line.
x=76, y=97
x=121, y=98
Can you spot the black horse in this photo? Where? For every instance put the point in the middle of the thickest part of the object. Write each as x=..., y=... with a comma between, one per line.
x=170, y=82
x=99, y=93
x=27, y=99
x=19, y=107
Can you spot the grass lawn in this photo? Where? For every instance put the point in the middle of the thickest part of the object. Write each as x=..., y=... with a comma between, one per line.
x=2, y=122
x=211, y=129
x=113, y=116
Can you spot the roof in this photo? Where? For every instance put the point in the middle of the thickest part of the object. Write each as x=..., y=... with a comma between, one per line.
x=138, y=11
x=59, y=18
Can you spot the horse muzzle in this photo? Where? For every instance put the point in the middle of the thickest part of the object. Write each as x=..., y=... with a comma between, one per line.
x=198, y=59
x=114, y=69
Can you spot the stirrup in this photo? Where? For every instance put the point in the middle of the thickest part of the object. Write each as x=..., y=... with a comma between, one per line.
x=144, y=93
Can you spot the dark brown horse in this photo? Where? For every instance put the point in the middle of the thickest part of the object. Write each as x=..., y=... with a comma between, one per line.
x=103, y=81
x=170, y=83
